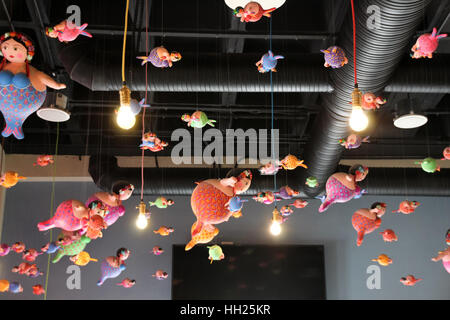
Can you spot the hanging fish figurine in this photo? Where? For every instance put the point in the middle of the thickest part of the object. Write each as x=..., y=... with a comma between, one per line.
x=299, y=203
x=426, y=44
x=446, y=154
x=160, y=275
x=334, y=57
x=252, y=12
x=66, y=32
x=44, y=160
x=164, y=231
x=429, y=165
x=265, y=197
x=353, y=141
x=4, y=285
x=270, y=168
x=15, y=287
x=312, y=182
x=157, y=251
x=151, y=142
x=409, y=280
x=4, y=249
x=407, y=207
x=290, y=162
x=161, y=202
x=82, y=258
x=286, y=211
x=127, y=283
x=268, y=62
x=198, y=119
x=10, y=178
x=38, y=290
x=215, y=253
x=18, y=247
x=287, y=193
x=50, y=247
x=383, y=260
x=235, y=204
x=30, y=255
x=389, y=235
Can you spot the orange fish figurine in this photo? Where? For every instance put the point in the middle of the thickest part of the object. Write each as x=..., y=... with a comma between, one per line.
x=160, y=275
x=9, y=179
x=157, y=250
x=18, y=247
x=407, y=207
x=38, y=290
x=43, y=160
x=127, y=283
x=389, y=235
x=409, y=280
x=164, y=231
x=290, y=162
x=383, y=260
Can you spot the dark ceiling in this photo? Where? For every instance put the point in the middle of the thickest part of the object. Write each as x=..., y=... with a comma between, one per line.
x=208, y=27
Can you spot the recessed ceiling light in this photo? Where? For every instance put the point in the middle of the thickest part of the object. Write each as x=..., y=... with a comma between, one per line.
x=53, y=114
x=266, y=4
x=410, y=121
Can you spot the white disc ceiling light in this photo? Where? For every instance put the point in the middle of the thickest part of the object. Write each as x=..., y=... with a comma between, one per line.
x=266, y=4
x=54, y=108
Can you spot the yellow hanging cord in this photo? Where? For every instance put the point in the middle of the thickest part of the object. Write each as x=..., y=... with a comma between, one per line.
x=125, y=41
x=51, y=206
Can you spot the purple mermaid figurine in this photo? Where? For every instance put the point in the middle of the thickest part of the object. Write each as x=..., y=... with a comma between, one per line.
x=112, y=266
x=342, y=187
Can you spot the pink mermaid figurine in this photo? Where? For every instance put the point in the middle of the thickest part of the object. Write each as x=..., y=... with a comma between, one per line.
x=445, y=257
x=66, y=32
x=365, y=220
x=121, y=191
x=209, y=199
x=72, y=215
x=342, y=187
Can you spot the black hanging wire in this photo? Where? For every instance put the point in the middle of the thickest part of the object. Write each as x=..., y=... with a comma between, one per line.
x=8, y=16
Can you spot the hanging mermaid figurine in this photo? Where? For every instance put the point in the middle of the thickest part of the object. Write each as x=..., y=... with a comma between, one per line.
x=22, y=87
x=66, y=32
x=342, y=187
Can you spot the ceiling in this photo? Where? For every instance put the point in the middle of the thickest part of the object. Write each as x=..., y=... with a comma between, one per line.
x=197, y=29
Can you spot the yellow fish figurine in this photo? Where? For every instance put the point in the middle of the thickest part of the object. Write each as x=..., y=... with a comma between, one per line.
x=82, y=259
x=290, y=162
x=383, y=260
x=10, y=178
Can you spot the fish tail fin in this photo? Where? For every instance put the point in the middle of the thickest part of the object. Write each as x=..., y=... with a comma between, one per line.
x=267, y=12
x=433, y=34
x=197, y=228
x=93, y=260
x=83, y=26
x=394, y=211
x=278, y=57
x=441, y=36
x=211, y=122
x=86, y=34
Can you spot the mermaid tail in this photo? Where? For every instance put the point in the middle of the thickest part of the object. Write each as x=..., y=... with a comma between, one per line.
x=46, y=225
x=324, y=206
x=14, y=129
x=190, y=245
x=360, y=237
x=108, y=271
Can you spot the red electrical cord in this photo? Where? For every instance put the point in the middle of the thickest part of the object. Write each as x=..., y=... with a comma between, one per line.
x=143, y=112
x=354, y=42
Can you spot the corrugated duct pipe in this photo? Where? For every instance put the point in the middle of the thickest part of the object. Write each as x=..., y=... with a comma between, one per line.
x=378, y=53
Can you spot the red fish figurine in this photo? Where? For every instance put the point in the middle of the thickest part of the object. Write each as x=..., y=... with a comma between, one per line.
x=38, y=290
x=299, y=203
x=127, y=283
x=446, y=154
x=18, y=247
x=407, y=207
x=30, y=255
x=164, y=231
x=389, y=235
x=409, y=280
x=43, y=161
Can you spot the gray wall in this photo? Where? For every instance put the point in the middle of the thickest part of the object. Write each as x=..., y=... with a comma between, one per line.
x=421, y=235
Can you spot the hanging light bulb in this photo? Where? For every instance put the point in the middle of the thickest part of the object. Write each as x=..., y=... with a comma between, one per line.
x=277, y=220
x=358, y=119
x=125, y=116
x=143, y=217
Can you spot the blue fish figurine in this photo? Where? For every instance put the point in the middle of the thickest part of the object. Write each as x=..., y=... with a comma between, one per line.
x=268, y=62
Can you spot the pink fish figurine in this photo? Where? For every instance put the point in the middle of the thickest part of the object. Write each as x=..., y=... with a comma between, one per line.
x=445, y=257
x=127, y=283
x=389, y=235
x=18, y=247
x=44, y=161
x=407, y=207
x=446, y=154
x=157, y=251
x=409, y=280
x=160, y=275
x=270, y=168
x=299, y=203
x=252, y=12
x=66, y=32
x=30, y=255
x=38, y=290
x=265, y=197
x=371, y=101
x=4, y=249
x=426, y=44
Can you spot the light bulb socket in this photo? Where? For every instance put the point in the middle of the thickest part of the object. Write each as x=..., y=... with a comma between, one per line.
x=125, y=96
x=356, y=97
x=276, y=216
x=142, y=208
